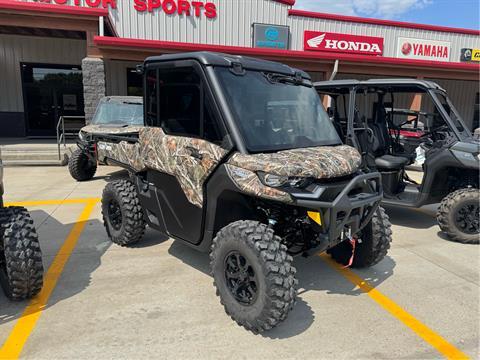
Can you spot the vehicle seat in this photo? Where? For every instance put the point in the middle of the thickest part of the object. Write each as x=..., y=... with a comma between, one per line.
x=390, y=162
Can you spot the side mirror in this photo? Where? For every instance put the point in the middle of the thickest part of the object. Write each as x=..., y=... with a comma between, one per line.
x=140, y=69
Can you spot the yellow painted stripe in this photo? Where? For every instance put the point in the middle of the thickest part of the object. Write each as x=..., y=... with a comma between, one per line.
x=423, y=331
x=14, y=344
x=51, y=202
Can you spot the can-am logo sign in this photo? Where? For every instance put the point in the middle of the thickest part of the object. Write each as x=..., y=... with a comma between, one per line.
x=344, y=43
x=423, y=49
x=169, y=7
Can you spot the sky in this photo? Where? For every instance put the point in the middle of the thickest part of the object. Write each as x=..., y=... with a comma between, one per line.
x=454, y=13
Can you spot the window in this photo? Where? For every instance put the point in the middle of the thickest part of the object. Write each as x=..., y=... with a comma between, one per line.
x=134, y=83
x=151, y=93
x=184, y=106
x=275, y=113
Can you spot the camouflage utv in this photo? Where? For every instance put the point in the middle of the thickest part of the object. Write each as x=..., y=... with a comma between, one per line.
x=21, y=267
x=115, y=115
x=240, y=160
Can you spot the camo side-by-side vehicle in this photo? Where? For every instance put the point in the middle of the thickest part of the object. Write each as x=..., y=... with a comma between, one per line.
x=21, y=267
x=239, y=159
x=115, y=115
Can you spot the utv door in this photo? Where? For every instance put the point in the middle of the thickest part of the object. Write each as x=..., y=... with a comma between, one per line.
x=179, y=102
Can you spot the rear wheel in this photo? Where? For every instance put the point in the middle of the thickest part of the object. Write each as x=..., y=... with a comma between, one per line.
x=21, y=267
x=81, y=167
x=253, y=274
x=458, y=216
x=372, y=247
x=122, y=214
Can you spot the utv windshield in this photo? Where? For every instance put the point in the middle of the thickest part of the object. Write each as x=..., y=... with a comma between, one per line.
x=452, y=112
x=125, y=112
x=276, y=112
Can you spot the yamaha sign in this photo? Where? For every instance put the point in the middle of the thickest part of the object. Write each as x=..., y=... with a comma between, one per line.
x=421, y=49
x=343, y=43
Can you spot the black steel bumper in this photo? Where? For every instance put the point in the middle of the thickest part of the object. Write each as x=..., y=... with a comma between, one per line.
x=351, y=210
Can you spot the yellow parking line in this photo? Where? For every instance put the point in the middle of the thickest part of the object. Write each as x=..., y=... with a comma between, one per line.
x=14, y=344
x=51, y=202
x=428, y=335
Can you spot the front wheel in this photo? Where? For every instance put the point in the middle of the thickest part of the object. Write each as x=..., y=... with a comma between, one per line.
x=458, y=216
x=253, y=274
x=81, y=167
x=372, y=247
x=123, y=215
x=21, y=267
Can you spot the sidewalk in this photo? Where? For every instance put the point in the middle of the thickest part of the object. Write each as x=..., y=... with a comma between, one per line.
x=34, y=152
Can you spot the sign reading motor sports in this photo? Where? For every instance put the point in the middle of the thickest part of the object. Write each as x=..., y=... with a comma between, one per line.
x=421, y=49
x=343, y=43
x=169, y=7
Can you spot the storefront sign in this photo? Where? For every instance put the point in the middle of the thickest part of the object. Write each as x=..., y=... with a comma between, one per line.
x=90, y=3
x=423, y=49
x=169, y=7
x=271, y=36
x=476, y=55
x=344, y=43
x=470, y=55
x=181, y=7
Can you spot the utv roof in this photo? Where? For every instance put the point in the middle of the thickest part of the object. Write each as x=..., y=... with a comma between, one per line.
x=219, y=59
x=400, y=83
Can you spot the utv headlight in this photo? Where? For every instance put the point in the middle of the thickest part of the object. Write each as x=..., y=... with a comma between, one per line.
x=463, y=155
x=276, y=181
x=272, y=180
x=81, y=135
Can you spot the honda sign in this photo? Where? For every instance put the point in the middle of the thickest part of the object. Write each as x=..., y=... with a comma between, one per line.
x=343, y=43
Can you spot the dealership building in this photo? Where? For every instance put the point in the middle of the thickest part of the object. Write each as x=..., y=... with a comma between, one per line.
x=58, y=57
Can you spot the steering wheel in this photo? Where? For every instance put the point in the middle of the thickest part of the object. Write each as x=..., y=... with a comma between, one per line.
x=433, y=131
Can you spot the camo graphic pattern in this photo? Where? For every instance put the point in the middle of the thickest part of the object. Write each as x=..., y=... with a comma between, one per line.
x=249, y=182
x=324, y=162
x=169, y=154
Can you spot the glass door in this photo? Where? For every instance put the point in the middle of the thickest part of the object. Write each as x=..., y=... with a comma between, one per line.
x=50, y=91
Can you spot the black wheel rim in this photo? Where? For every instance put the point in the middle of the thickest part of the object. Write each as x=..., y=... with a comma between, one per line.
x=115, y=214
x=241, y=278
x=467, y=218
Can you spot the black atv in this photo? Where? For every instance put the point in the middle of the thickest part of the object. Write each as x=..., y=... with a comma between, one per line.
x=21, y=267
x=239, y=159
x=376, y=117
x=114, y=115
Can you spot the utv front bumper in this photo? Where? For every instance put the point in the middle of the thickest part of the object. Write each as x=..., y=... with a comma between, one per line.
x=344, y=209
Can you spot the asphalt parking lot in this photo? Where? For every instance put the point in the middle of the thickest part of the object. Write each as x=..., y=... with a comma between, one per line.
x=156, y=300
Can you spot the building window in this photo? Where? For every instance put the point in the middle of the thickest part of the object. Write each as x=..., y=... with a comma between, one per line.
x=134, y=83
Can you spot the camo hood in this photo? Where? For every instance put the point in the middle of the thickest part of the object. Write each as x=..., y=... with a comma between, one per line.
x=323, y=162
x=106, y=129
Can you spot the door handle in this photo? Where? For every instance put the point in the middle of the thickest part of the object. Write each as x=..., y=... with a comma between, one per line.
x=195, y=153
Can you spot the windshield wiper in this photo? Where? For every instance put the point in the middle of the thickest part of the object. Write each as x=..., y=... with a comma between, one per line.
x=287, y=79
x=132, y=103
